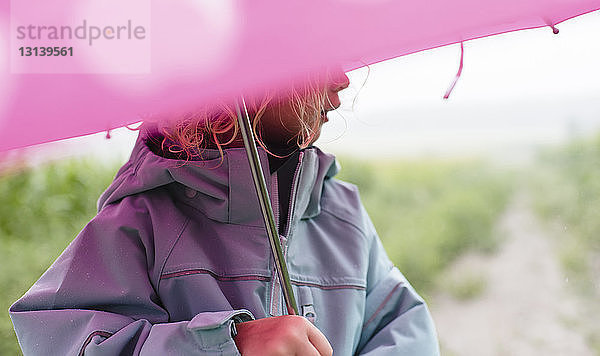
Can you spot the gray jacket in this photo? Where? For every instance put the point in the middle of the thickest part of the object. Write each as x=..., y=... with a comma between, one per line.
x=178, y=251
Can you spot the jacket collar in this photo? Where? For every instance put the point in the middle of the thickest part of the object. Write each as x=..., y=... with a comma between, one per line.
x=220, y=187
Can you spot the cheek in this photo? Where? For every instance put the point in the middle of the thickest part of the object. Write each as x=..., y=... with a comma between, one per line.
x=279, y=125
x=283, y=118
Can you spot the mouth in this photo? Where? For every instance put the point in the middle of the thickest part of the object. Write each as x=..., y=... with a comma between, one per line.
x=326, y=110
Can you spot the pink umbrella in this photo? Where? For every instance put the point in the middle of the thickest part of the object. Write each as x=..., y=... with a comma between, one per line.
x=76, y=67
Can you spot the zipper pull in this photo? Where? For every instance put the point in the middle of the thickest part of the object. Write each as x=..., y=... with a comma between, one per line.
x=308, y=311
x=307, y=308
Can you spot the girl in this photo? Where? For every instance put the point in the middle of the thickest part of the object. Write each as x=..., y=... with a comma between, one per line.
x=177, y=261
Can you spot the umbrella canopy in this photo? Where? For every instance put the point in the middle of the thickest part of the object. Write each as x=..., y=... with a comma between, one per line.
x=72, y=68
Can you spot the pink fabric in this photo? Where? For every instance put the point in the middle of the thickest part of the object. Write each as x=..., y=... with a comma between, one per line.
x=197, y=51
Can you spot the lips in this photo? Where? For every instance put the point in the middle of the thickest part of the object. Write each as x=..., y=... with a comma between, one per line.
x=325, y=111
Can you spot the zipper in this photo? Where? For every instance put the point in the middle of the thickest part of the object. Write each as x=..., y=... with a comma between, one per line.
x=293, y=196
x=275, y=200
x=274, y=297
x=276, y=294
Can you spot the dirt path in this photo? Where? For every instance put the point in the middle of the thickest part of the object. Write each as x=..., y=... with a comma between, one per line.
x=527, y=307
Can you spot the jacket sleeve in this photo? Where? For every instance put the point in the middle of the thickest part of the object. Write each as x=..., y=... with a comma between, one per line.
x=100, y=298
x=397, y=320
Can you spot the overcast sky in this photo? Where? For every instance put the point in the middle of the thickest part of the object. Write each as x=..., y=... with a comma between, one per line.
x=517, y=90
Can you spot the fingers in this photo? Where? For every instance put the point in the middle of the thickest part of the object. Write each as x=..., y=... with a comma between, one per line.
x=307, y=350
x=282, y=335
x=319, y=341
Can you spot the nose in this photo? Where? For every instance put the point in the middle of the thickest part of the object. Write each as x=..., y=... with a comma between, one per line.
x=339, y=81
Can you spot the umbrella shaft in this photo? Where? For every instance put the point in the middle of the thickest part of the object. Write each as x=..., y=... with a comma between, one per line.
x=265, y=206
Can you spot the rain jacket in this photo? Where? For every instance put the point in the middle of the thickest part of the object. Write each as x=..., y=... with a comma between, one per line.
x=178, y=252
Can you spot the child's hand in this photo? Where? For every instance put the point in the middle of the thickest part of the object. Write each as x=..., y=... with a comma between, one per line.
x=281, y=336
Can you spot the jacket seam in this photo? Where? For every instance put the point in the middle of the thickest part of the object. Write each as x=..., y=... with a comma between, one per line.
x=192, y=271
x=255, y=277
x=139, y=163
x=87, y=341
x=219, y=221
x=383, y=304
x=346, y=221
x=162, y=268
x=329, y=287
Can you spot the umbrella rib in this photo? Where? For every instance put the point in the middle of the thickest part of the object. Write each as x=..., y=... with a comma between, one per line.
x=265, y=206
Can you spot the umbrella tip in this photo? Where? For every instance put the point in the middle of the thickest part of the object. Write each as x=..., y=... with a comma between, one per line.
x=108, y=134
x=554, y=29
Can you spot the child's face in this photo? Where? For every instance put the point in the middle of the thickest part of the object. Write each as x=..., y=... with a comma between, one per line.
x=280, y=124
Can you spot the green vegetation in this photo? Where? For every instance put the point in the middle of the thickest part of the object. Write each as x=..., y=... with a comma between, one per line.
x=427, y=212
x=466, y=286
x=41, y=211
x=567, y=194
x=567, y=191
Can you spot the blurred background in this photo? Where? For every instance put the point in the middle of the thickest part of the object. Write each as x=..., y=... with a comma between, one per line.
x=488, y=202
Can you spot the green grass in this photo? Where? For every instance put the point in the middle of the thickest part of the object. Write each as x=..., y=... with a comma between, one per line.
x=466, y=286
x=427, y=213
x=567, y=194
x=41, y=211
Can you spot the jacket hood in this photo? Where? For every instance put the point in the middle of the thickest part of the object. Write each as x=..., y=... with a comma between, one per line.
x=221, y=187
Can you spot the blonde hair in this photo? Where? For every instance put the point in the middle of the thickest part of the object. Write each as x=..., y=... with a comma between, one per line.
x=190, y=133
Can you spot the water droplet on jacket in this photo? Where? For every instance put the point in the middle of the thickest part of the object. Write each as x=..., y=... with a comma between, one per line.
x=190, y=193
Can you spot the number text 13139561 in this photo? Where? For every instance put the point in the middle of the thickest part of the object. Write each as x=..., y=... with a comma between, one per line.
x=46, y=51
